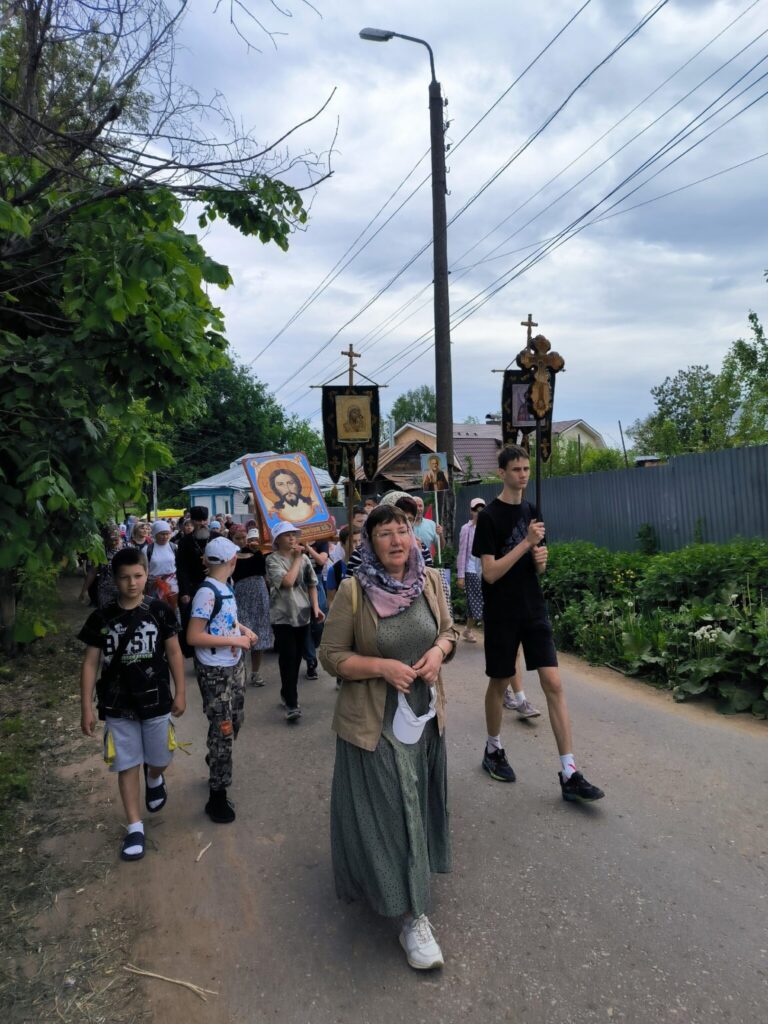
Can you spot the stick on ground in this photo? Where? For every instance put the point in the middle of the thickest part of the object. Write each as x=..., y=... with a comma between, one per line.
x=201, y=992
x=199, y=857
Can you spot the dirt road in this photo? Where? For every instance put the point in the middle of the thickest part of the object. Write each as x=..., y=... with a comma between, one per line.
x=649, y=906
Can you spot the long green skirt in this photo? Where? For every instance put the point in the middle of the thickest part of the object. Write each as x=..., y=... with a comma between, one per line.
x=389, y=816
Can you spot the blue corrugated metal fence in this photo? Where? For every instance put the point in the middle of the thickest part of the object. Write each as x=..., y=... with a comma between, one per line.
x=712, y=496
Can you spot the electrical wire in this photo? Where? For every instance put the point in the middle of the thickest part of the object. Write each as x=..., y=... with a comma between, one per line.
x=462, y=271
x=576, y=227
x=428, y=244
x=333, y=273
x=555, y=241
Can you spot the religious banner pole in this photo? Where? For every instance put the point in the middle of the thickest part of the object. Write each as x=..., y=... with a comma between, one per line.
x=351, y=355
x=437, y=523
x=351, y=421
x=538, y=467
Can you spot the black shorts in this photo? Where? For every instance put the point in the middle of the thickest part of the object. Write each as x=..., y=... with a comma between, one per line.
x=503, y=638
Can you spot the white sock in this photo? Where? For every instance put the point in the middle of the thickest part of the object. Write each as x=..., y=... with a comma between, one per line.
x=519, y=695
x=493, y=743
x=153, y=784
x=568, y=765
x=134, y=826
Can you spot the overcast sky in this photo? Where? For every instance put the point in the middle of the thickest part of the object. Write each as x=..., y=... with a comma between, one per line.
x=626, y=301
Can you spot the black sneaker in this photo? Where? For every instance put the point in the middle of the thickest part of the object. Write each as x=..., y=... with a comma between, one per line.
x=219, y=808
x=312, y=670
x=578, y=789
x=498, y=767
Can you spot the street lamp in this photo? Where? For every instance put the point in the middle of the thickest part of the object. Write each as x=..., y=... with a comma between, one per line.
x=443, y=382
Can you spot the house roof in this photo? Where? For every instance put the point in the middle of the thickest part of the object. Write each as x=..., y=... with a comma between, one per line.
x=235, y=478
x=492, y=430
x=560, y=427
x=459, y=429
x=390, y=456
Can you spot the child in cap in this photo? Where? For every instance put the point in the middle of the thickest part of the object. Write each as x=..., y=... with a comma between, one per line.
x=136, y=640
x=219, y=642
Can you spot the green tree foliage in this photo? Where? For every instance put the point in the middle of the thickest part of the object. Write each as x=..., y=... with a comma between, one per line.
x=91, y=355
x=569, y=458
x=695, y=412
x=698, y=410
x=106, y=324
x=416, y=406
x=232, y=413
x=600, y=460
x=747, y=364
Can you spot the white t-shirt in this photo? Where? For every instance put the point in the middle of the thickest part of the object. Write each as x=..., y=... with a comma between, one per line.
x=163, y=560
x=224, y=624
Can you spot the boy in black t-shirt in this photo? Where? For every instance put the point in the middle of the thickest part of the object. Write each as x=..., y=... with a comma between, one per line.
x=136, y=641
x=509, y=542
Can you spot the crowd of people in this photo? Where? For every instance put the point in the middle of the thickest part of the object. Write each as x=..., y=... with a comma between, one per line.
x=372, y=609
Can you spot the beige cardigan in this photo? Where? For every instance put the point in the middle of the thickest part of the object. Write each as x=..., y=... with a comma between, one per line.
x=359, y=713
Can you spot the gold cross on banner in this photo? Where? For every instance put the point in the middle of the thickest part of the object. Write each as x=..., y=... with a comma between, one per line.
x=539, y=359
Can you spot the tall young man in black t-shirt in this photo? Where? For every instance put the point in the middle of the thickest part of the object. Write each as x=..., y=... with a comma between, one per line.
x=509, y=542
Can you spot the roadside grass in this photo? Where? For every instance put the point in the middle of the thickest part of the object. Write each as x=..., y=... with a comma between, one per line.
x=62, y=956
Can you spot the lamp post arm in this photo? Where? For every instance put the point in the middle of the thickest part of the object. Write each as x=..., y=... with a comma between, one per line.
x=415, y=39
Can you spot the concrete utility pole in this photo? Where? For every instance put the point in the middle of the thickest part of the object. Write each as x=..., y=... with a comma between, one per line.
x=442, y=310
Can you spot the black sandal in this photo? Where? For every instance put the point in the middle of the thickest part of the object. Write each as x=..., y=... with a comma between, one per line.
x=132, y=839
x=154, y=793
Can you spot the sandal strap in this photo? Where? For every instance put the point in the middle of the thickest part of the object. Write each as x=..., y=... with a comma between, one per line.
x=133, y=839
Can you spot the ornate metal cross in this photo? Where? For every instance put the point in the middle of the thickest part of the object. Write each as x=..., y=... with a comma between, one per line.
x=539, y=359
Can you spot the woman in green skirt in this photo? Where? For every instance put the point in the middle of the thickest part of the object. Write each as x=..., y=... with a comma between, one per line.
x=387, y=634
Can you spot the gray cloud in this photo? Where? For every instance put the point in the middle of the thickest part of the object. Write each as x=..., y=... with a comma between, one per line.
x=627, y=301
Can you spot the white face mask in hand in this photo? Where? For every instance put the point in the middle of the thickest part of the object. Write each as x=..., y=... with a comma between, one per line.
x=408, y=726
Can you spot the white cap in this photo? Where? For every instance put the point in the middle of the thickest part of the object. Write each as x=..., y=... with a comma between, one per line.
x=252, y=534
x=220, y=550
x=160, y=526
x=406, y=724
x=281, y=528
x=477, y=502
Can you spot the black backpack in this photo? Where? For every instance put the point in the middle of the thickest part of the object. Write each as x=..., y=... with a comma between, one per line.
x=218, y=600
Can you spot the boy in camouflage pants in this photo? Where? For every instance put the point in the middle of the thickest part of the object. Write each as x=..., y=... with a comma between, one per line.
x=219, y=641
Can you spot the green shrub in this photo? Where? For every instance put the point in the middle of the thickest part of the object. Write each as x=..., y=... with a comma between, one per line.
x=694, y=620
x=648, y=539
x=37, y=600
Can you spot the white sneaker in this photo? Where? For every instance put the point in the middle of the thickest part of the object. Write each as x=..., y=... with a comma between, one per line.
x=525, y=709
x=510, y=700
x=421, y=949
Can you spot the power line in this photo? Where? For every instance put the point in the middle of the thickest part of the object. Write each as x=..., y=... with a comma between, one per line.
x=333, y=273
x=576, y=226
x=531, y=139
x=613, y=128
x=428, y=244
x=563, y=236
x=463, y=271
x=467, y=310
